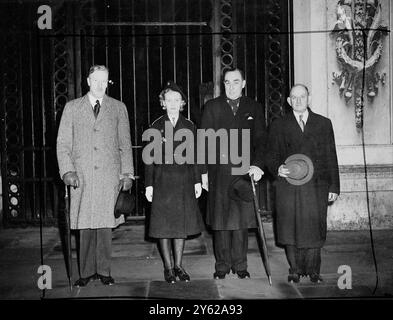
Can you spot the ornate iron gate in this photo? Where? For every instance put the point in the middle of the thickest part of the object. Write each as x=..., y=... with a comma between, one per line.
x=144, y=43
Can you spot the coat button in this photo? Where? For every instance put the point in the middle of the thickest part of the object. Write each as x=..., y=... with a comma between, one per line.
x=95, y=148
x=95, y=130
x=95, y=167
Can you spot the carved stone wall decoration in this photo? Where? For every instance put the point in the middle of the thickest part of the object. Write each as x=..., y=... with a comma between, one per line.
x=359, y=34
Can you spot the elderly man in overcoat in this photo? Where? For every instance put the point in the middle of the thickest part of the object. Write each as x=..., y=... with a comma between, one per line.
x=230, y=218
x=95, y=157
x=302, y=208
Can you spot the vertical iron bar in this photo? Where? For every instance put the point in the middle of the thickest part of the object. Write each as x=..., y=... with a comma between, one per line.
x=245, y=44
x=216, y=48
x=106, y=40
x=92, y=38
x=22, y=151
x=234, y=32
x=160, y=30
x=33, y=148
x=290, y=42
x=147, y=64
x=188, y=62
x=77, y=55
x=135, y=112
x=120, y=54
x=200, y=45
x=256, y=50
x=174, y=41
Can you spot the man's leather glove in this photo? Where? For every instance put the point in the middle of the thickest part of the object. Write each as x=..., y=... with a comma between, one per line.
x=71, y=179
x=126, y=183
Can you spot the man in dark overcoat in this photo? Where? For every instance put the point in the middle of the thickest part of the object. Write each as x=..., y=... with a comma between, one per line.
x=230, y=218
x=302, y=209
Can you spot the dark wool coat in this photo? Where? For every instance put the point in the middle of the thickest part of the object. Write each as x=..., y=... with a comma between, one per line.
x=223, y=212
x=174, y=212
x=302, y=210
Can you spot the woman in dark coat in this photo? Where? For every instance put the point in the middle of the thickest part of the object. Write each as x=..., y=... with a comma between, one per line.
x=173, y=188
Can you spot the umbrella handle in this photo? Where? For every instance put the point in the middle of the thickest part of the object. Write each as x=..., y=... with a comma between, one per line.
x=253, y=184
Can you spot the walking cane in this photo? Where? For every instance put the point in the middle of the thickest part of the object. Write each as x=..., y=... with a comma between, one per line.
x=261, y=232
x=67, y=199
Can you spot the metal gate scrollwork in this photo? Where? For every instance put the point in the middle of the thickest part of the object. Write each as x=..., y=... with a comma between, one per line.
x=277, y=77
x=228, y=59
x=12, y=124
x=144, y=43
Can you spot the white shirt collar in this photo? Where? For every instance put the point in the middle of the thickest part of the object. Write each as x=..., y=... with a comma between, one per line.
x=93, y=100
x=173, y=116
x=305, y=115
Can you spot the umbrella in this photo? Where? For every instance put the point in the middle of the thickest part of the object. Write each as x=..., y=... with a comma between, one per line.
x=261, y=232
x=67, y=199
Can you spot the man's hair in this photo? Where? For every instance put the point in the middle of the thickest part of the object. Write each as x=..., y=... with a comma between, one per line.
x=97, y=67
x=232, y=70
x=299, y=85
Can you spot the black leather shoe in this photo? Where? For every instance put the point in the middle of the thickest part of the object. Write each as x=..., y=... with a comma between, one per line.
x=242, y=274
x=181, y=274
x=294, y=277
x=169, y=275
x=82, y=282
x=220, y=275
x=316, y=278
x=106, y=280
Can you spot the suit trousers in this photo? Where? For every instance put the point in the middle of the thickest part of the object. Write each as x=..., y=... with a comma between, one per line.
x=95, y=252
x=230, y=248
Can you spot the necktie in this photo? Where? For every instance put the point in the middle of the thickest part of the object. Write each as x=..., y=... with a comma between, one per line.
x=97, y=108
x=234, y=104
x=301, y=122
x=173, y=122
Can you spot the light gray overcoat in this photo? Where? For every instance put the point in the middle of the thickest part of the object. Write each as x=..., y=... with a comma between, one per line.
x=99, y=151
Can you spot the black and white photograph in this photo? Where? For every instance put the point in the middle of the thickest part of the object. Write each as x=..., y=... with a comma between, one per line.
x=196, y=155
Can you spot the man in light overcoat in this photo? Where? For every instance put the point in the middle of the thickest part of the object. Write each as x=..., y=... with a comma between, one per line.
x=95, y=157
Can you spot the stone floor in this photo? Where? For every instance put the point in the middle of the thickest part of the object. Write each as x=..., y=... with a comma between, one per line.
x=138, y=270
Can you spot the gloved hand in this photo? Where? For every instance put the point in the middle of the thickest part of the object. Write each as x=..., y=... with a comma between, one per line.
x=71, y=179
x=198, y=190
x=332, y=196
x=256, y=172
x=149, y=193
x=126, y=183
x=283, y=171
x=205, y=182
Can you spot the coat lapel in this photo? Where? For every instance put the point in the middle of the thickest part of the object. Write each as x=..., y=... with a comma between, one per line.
x=104, y=109
x=311, y=122
x=295, y=125
x=240, y=109
x=87, y=109
x=234, y=118
x=227, y=108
